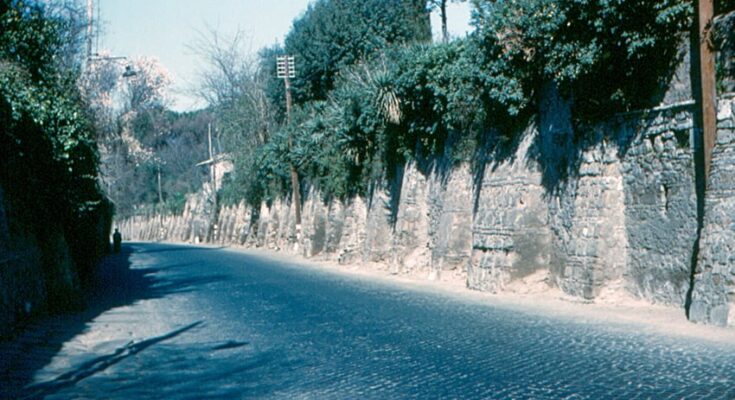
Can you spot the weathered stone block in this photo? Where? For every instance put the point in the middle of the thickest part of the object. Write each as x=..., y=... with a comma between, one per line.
x=712, y=300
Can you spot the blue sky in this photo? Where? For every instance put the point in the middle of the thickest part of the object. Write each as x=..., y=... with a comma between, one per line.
x=164, y=29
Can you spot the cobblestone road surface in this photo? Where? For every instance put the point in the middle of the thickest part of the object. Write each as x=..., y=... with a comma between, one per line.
x=177, y=322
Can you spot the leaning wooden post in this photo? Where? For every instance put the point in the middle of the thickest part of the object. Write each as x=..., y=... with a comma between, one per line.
x=708, y=96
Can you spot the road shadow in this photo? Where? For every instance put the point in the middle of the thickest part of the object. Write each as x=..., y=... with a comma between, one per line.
x=89, y=368
x=116, y=283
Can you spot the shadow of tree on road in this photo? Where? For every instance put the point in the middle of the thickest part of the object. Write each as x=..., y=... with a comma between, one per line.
x=89, y=368
x=116, y=283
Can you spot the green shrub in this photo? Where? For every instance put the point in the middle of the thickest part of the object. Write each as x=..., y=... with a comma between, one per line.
x=609, y=55
x=367, y=102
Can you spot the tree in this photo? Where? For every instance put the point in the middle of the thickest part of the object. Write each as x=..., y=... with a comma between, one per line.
x=148, y=87
x=234, y=85
x=129, y=115
x=333, y=34
x=724, y=6
x=99, y=84
x=442, y=6
x=48, y=154
x=71, y=16
x=609, y=56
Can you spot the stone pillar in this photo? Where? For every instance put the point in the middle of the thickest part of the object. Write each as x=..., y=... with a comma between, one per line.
x=510, y=234
x=713, y=297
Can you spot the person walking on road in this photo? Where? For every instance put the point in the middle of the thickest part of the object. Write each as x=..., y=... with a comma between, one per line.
x=116, y=241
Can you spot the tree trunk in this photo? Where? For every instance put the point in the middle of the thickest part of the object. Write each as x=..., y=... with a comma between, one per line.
x=296, y=194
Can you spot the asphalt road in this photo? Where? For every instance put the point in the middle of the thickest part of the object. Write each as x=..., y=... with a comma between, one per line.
x=180, y=322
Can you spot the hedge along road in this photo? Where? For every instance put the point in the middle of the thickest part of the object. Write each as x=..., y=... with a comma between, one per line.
x=191, y=322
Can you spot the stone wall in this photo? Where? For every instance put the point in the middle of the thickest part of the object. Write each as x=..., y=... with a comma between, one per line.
x=410, y=247
x=604, y=213
x=20, y=268
x=427, y=235
x=713, y=297
x=193, y=225
x=511, y=238
x=38, y=270
x=450, y=208
x=724, y=41
x=617, y=213
x=588, y=220
x=660, y=204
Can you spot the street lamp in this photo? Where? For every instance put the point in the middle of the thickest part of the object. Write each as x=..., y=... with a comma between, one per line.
x=129, y=71
x=91, y=34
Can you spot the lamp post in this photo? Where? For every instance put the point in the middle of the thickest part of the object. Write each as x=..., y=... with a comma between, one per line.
x=92, y=35
x=90, y=26
x=286, y=69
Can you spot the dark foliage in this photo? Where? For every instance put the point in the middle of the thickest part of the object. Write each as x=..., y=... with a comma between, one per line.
x=48, y=156
x=333, y=34
x=368, y=100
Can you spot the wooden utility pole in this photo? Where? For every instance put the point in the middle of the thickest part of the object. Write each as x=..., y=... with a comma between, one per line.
x=294, y=174
x=285, y=68
x=287, y=84
x=213, y=166
x=160, y=192
x=708, y=97
x=212, y=162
